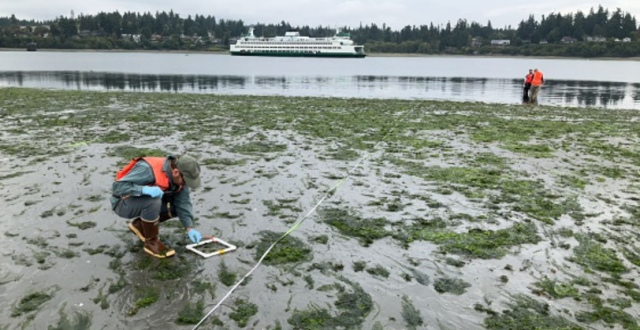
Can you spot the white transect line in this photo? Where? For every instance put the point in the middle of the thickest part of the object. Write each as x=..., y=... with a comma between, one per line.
x=297, y=223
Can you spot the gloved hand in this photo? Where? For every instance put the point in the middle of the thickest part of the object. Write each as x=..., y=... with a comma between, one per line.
x=194, y=235
x=154, y=192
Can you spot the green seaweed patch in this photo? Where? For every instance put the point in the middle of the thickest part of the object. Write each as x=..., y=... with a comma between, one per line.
x=225, y=276
x=620, y=302
x=14, y=175
x=594, y=256
x=287, y=250
x=221, y=163
x=608, y=315
x=258, y=147
x=311, y=319
x=200, y=287
x=528, y=313
x=572, y=181
x=470, y=181
x=30, y=303
x=366, y=230
x=478, y=243
x=556, y=289
x=353, y=307
x=534, y=150
x=128, y=152
x=191, y=313
x=450, y=285
x=81, y=321
x=146, y=296
x=243, y=311
x=411, y=314
x=116, y=137
x=378, y=270
x=359, y=266
x=320, y=239
x=82, y=225
x=169, y=269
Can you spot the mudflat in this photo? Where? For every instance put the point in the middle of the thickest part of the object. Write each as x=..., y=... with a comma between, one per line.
x=438, y=215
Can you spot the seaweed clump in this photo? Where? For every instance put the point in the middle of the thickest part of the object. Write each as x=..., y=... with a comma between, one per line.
x=354, y=306
x=30, y=303
x=528, y=313
x=287, y=250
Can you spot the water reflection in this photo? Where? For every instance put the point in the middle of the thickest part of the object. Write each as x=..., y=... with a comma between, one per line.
x=556, y=92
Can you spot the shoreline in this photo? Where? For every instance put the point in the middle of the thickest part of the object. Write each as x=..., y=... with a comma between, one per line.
x=407, y=55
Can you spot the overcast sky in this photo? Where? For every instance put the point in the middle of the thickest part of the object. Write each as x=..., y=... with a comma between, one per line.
x=395, y=13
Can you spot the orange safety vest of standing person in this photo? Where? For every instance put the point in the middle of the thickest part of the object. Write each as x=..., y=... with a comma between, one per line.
x=157, y=163
x=529, y=78
x=537, y=79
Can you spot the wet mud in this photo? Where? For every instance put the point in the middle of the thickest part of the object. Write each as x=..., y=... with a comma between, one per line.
x=461, y=216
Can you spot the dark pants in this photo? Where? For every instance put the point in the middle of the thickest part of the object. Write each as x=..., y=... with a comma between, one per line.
x=145, y=207
x=525, y=95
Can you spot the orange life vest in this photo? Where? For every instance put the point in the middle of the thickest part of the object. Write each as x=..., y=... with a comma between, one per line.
x=529, y=78
x=157, y=163
x=537, y=78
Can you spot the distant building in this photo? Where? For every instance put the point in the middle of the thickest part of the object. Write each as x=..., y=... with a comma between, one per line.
x=476, y=42
x=133, y=37
x=500, y=42
x=543, y=42
x=596, y=39
x=627, y=39
x=568, y=40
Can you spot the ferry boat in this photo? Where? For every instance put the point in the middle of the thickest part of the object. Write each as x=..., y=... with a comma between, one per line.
x=293, y=44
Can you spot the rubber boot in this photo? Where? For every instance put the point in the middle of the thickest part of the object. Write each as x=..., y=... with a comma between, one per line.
x=152, y=244
x=136, y=227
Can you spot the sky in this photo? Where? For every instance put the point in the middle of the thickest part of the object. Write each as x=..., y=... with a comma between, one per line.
x=331, y=13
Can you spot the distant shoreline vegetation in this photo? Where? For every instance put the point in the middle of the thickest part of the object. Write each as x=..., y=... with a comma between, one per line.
x=599, y=33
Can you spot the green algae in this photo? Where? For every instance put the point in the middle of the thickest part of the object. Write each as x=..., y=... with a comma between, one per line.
x=225, y=276
x=30, y=303
x=411, y=314
x=378, y=270
x=608, y=315
x=80, y=321
x=366, y=230
x=557, y=289
x=82, y=225
x=450, y=285
x=146, y=296
x=243, y=310
x=128, y=152
x=353, y=306
x=478, y=243
x=259, y=147
x=528, y=313
x=593, y=256
x=288, y=249
x=191, y=313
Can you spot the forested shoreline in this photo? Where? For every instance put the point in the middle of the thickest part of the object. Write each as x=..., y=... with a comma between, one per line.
x=598, y=33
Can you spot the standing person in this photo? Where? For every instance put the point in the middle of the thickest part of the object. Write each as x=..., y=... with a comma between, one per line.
x=151, y=190
x=536, y=84
x=527, y=86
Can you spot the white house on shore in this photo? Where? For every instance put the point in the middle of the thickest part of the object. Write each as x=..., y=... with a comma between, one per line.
x=500, y=42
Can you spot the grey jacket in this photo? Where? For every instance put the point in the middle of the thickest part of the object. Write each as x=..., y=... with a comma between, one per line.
x=142, y=175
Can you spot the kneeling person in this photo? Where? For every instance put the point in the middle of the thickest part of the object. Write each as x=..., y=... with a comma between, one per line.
x=151, y=190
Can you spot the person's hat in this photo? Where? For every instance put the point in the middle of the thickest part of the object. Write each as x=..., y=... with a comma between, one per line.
x=190, y=170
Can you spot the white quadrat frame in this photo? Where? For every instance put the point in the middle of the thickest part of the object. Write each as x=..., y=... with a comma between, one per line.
x=229, y=247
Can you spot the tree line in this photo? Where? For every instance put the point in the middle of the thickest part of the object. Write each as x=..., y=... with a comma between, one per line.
x=615, y=33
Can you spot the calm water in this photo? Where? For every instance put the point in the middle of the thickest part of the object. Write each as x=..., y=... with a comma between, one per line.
x=570, y=82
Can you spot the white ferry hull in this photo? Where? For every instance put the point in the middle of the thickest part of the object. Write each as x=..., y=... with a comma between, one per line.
x=296, y=54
